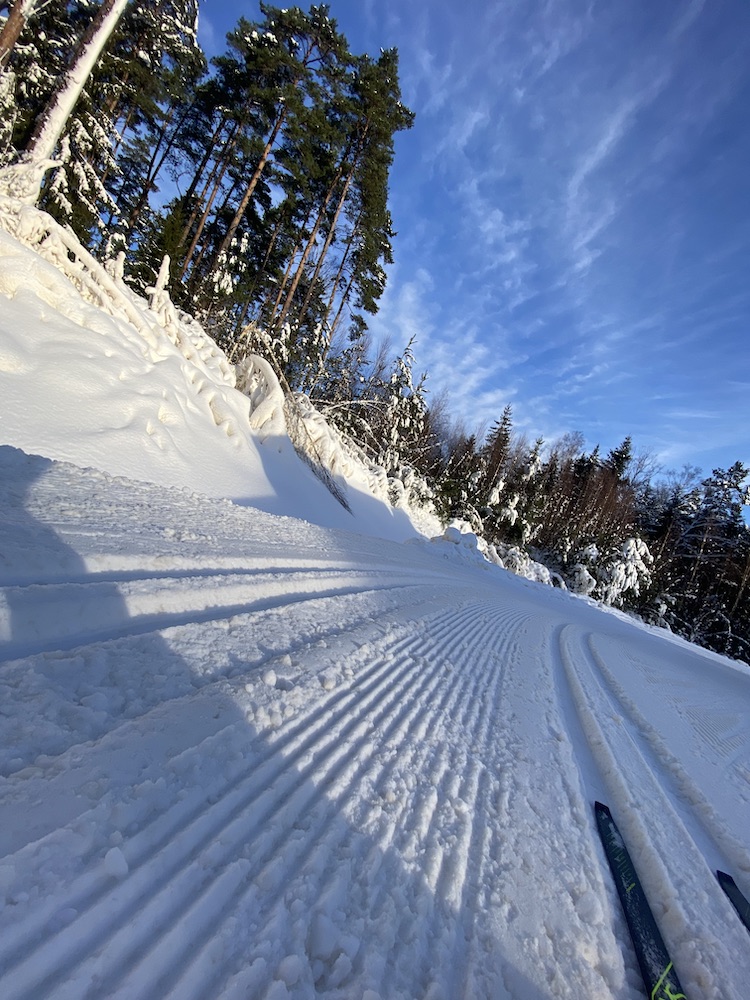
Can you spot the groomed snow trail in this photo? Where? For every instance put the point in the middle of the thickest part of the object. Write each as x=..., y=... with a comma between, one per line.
x=243, y=756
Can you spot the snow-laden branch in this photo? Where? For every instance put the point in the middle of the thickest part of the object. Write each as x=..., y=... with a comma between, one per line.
x=103, y=286
x=257, y=380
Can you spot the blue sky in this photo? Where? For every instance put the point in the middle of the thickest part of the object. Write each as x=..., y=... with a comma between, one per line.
x=573, y=212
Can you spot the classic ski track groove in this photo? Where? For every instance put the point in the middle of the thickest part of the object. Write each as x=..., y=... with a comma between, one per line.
x=289, y=730
x=669, y=773
x=32, y=974
x=426, y=833
x=619, y=753
x=317, y=840
x=476, y=877
x=199, y=979
x=338, y=761
x=460, y=867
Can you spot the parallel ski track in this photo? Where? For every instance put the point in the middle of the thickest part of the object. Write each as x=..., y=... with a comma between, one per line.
x=434, y=698
x=626, y=758
x=687, y=800
x=326, y=834
x=141, y=936
x=456, y=870
x=156, y=836
x=411, y=734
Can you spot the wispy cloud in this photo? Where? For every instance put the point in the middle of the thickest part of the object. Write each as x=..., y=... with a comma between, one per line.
x=592, y=202
x=557, y=31
x=614, y=129
x=459, y=133
x=570, y=271
x=686, y=18
x=208, y=36
x=460, y=354
x=406, y=311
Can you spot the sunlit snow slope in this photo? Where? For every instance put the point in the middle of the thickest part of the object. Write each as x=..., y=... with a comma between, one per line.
x=243, y=757
x=91, y=375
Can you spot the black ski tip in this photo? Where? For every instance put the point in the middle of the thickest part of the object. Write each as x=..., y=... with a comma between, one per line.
x=735, y=896
x=599, y=807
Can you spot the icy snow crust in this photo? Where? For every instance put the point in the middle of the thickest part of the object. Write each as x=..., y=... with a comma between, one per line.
x=243, y=755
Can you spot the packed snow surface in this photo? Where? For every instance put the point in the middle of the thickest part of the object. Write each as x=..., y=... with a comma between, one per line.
x=244, y=754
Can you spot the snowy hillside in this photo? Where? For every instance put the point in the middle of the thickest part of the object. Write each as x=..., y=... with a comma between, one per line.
x=245, y=753
x=91, y=375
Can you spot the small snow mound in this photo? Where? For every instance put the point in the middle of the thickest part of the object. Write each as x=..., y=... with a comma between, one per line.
x=291, y=970
x=115, y=863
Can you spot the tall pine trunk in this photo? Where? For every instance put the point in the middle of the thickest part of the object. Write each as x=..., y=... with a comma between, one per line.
x=156, y=163
x=18, y=15
x=340, y=310
x=193, y=186
x=310, y=244
x=250, y=189
x=324, y=250
x=217, y=181
x=337, y=279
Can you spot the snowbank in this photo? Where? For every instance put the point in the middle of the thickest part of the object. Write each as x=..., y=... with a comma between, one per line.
x=92, y=374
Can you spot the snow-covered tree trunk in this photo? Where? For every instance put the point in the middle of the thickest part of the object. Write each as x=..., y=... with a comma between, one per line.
x=54, y=118
x=24, y=179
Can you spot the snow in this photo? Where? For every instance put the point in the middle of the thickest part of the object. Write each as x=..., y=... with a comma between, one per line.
x=271, y=748
x=132, y=402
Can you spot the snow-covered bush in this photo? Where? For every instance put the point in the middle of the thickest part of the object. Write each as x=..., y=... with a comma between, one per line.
x=521, y=563
x=583, y=573
x=624, y=571
x=629, y=572
x=582, y=581
x=256, y=379
x=342, y=456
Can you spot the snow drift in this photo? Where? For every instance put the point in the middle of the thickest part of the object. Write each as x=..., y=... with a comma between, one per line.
x=92, y=374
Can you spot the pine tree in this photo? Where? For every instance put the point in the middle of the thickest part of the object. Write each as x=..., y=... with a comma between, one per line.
x=618, y=459
x=146, y=85
x=495, y=455
x=18, y=14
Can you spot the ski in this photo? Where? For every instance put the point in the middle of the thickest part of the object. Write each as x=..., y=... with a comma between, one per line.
x=737, y=899
x=658, y=972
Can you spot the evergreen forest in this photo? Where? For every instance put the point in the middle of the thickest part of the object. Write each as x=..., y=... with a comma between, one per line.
x=260, y=180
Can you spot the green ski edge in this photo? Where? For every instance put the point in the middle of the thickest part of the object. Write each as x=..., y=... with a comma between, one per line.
x=736, y=897
x=659, y=976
